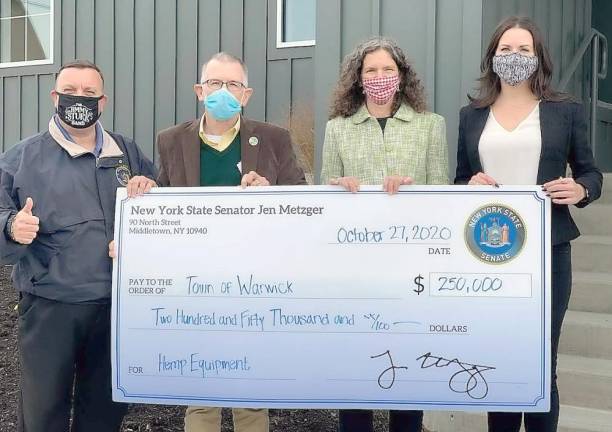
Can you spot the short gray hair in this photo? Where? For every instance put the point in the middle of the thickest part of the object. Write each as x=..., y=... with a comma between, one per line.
x=227, y=58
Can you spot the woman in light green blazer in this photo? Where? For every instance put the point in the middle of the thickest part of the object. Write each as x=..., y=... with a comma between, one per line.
x=379, y=131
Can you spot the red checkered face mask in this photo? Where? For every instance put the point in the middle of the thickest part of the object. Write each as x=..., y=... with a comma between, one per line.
x=381, y=90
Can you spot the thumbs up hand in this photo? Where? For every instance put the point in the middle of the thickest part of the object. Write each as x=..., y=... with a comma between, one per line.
x=26, y=225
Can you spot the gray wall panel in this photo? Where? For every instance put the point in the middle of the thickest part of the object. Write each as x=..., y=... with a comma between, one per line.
x=29, y=105
x=232, y=16
x=165, y=64
x=12, y=111
x=457, y=63
x=123, y=68
x=67, y=31
x=415, y=30
x=209, y=31
x=526, y=7
x=504, y=7
x=302, y=84
x=355, y=23
x=255, y=55
x=46, y=83
x=540, y=14
x=104, y=52
x=326, y=66
x=85, y=29
x=186, y=59
x=583, y=28
x=144, y=82
x=490, y=19
x=279, y=101
x=568, y=26
x=555, y=38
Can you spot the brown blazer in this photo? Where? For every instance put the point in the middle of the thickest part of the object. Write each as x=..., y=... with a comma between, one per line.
x=272, y=156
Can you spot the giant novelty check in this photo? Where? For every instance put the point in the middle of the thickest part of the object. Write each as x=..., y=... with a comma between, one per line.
x=434, y=298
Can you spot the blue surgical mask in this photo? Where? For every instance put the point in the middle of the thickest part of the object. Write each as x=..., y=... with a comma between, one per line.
x=222, y=105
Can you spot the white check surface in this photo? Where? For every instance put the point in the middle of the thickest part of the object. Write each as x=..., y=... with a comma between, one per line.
x=314, y=297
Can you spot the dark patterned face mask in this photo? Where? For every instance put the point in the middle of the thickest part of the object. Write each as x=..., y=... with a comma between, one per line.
x=514, y=68
x=78, y=111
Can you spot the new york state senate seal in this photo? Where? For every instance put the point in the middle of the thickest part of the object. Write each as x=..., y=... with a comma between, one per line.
x=495, y=234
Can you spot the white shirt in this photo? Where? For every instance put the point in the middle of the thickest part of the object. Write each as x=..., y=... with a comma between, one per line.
x=213, y=138
x=512, y=157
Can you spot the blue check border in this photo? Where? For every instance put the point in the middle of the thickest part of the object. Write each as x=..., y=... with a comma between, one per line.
x=328, y=403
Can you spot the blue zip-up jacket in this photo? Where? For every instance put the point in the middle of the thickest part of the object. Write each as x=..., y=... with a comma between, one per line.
x=74, y=198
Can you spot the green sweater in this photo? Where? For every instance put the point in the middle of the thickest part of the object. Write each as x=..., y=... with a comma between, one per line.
x=220, y=168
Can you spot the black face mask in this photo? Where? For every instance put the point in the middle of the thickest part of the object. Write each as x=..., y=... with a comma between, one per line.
x=78, y=111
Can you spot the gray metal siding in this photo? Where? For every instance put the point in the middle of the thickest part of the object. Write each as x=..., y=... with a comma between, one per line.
x=457, y=66
x=290, y=72
x=29, y=100
x=441, y=37
x=12, y=110
x=150, y=52
x=255, y=55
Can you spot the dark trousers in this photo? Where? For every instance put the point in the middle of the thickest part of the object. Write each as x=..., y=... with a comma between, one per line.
x=361, y=421
x=561, y=290
x=65, y=365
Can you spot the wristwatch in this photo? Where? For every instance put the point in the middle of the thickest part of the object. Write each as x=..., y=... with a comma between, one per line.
x=8, y=229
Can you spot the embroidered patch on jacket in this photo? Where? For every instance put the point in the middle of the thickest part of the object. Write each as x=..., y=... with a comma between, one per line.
x=123, y=174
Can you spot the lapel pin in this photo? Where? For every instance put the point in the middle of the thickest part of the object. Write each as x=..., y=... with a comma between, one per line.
x=253, y=141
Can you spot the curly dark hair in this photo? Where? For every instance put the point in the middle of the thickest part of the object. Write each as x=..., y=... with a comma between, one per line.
x=348, y=96
x=540, y=83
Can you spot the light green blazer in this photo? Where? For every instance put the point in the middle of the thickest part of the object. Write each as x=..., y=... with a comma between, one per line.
x=413, y=144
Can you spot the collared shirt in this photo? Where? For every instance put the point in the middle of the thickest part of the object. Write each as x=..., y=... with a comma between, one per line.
x=99, y=135
x=104, y=142
x=222, y=142
x=413, y=144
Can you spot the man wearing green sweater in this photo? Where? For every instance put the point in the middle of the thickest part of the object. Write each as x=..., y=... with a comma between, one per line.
x=222, y=148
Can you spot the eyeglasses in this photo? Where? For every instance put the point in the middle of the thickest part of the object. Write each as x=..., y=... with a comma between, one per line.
x=215, y=84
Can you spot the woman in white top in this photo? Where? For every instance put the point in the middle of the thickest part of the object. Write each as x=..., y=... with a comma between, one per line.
x=518, y=130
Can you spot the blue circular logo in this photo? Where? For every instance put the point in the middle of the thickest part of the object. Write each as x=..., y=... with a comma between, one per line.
x=495, y=234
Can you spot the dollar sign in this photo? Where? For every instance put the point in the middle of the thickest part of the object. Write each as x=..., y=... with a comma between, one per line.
x=420, y=287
